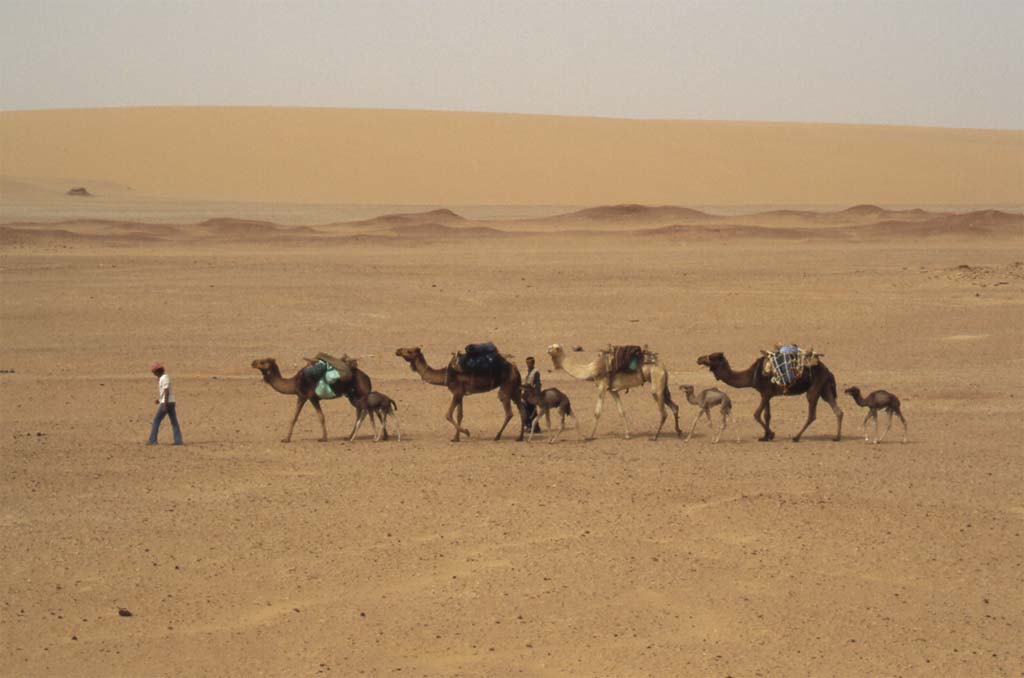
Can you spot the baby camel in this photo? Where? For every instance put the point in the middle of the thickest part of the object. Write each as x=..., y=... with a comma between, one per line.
x=544, y=401
x=878, y=400
x=376, y=404
x=707, y=400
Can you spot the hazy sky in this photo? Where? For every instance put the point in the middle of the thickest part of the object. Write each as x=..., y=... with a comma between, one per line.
x=917, y=62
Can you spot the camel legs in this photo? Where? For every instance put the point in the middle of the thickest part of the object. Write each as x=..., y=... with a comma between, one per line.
x=829, y=394
x=320, y=415
x=554, y=437
x=291, y=427
x=458, y=418
x=622, y=412
x=766, y=408
x=360, y=417
x=664, y=415
x=693, y=427
x=456, y=403
x=726, y=416
x=812, y=413
x=864, y=426
x=507, y=404
x=601, y=390
x=904, y=422
x=373, y=423
x=667, y=401
x=722, y=429
x=398, y=428
x=888, y=425
x=533, y=427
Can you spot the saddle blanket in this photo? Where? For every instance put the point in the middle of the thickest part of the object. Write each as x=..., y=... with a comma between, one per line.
x=325, y=376
x=628, y=358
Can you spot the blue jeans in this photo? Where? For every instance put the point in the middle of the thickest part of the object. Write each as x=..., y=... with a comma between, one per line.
x=160, y=414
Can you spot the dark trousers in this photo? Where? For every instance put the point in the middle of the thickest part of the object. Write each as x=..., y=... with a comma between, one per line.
x=530, y=412
x=160, y=414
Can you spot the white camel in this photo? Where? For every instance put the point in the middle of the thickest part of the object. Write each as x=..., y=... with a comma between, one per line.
x=597, y=372
x=707, y=400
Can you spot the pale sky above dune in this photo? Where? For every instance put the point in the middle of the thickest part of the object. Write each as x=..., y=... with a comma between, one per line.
x=911, y=62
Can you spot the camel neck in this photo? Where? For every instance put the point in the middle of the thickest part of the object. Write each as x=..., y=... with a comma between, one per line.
x=744, y=379
x=859, y=399
x=577, y=371
x=428, y=373
x=279, y=383
x=691, y=398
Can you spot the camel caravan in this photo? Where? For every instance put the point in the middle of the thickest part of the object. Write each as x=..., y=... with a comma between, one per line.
x=787, y=370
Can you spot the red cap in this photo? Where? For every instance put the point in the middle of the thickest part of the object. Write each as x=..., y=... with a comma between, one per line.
x=156, y=366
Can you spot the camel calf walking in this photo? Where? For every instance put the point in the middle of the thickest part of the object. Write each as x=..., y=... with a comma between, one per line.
x=375, y=404
x=544, y=401
x=878, y=400
x=707, y=400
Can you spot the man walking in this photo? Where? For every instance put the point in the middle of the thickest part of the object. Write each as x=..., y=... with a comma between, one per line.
x=532, y=379
x=165, y=404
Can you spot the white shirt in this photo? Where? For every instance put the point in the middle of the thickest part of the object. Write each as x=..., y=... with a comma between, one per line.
x=164, y=393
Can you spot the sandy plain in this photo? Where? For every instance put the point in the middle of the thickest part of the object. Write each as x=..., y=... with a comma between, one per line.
x=240, y=555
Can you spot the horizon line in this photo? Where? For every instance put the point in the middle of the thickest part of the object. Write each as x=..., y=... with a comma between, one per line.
x=726, y=121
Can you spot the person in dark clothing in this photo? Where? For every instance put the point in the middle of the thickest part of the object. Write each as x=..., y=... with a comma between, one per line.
x=532, y=379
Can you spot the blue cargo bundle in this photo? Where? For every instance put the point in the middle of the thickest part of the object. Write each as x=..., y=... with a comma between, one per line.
x=482, y=358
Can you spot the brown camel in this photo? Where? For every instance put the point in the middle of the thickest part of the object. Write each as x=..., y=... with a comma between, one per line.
x=545, y=401
x=376, y=406
x=878, y=400
x=817, y=382
x=305, y=389
x=462, y=384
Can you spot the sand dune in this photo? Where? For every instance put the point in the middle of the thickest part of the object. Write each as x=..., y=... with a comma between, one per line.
x=448, y=158
x=863, y=222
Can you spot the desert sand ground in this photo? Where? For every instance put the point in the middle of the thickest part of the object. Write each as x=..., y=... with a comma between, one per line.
x=240, y=555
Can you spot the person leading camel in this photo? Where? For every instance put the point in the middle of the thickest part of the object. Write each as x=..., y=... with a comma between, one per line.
x=707, y=400
x=532, y=379
x=166, y=405
x=878, y=400
x=816, y=381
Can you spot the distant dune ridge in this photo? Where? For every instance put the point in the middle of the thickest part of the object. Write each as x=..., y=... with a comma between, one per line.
x=863, y=222
x=344, y=156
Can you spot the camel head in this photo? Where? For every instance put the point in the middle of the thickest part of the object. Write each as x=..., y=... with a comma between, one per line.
x=852, y=391
x=556, y=352
x=410, y=355
x=686, y=388
x=712, y=360
x=266, y=366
